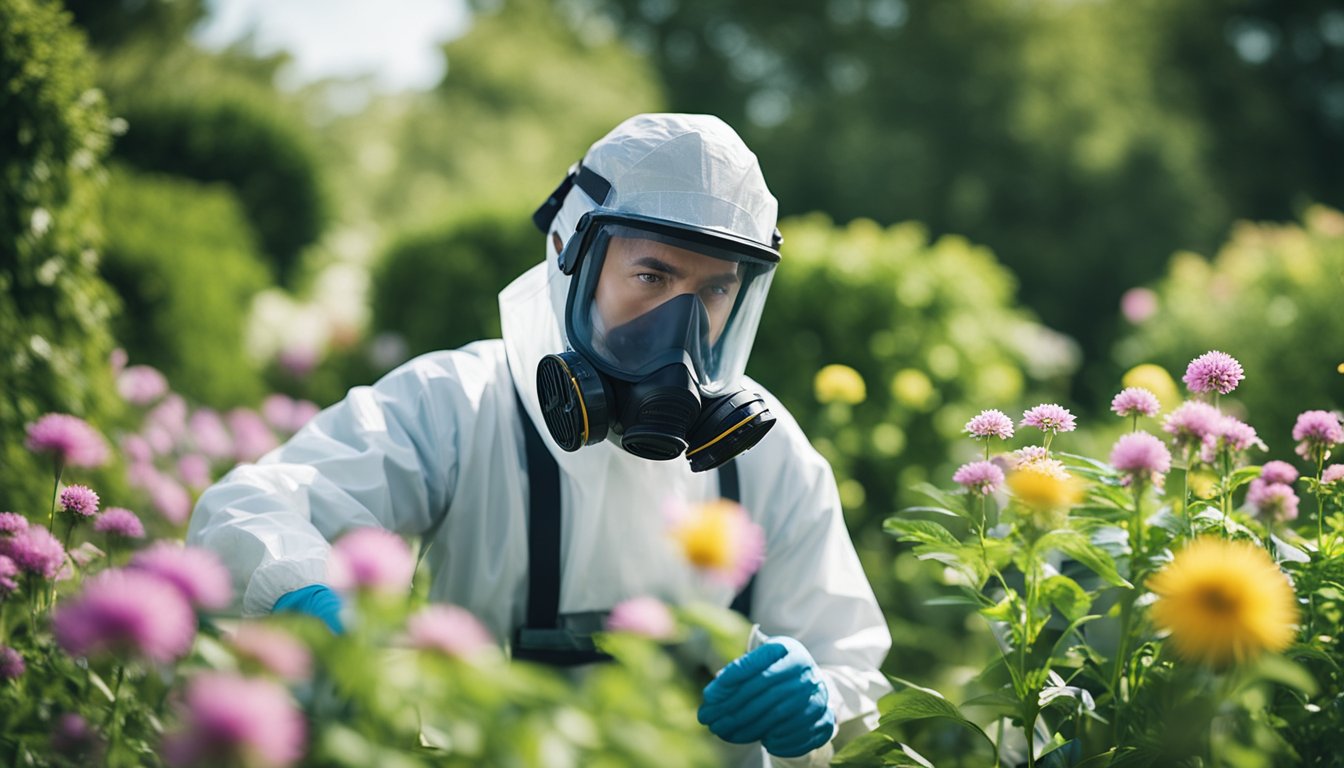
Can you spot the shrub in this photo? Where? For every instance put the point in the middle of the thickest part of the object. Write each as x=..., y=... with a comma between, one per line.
x=53, y=307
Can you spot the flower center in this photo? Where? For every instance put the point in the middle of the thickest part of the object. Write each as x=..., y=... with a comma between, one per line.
x=1217, y=601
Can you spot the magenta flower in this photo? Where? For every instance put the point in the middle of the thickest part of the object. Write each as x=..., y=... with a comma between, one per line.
x=1141, y=457
x=232, y=720
x=210, y=435
x=980, y=477
x=1029, y=455
x=1191, y=423
x=169, y=416
x=70, y=440
x=252, y=438
x=990, y=423
x=1333, y=473
x=1138, y=304
x=371, y=559
x=35, y=551
x=137, y=448
x=287, y=415
x=12, y=522
x=118, y=521
x=449, y=630
x=1272, y=501
x=196, y=573
x=141, y=385
x=645, y=616
x=123, y=611
x=1229, y=434
x=1135, y=401
x=1316, y=431
x=1213, y=372
x=76, y=740
x=194, y=469
x=170, y=499
x=11, y=664
x=279, y=652
x=79, y=500
x=1280, y=472
x=1049, y=417
x=9, y=571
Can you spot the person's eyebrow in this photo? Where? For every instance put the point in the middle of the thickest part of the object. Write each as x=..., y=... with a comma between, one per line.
x=658, y=265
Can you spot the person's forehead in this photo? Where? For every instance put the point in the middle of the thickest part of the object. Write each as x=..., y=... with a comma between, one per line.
x=633, y=248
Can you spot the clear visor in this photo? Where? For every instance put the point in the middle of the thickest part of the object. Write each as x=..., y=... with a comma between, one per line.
x=644, y=299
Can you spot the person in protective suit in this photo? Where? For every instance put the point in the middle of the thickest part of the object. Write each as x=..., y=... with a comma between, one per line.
x=534, y=466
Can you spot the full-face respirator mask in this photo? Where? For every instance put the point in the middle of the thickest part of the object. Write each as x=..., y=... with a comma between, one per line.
x=660, y=318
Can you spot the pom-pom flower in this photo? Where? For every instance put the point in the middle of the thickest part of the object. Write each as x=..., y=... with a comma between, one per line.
x=1272, y=501
x=35, y=551
x=1213, y=372
x=1224, y=602
x=119, y=521
x=196, y=573
x=11, y=664
x=12, y=522
x=646, y=616
x=979, y=477
x=1135, y=401
x=141, y=385
x=126, y=612
x=1280, y=472
x=1141, y=457
x=79, y=500
x=1192, y=423
x=1049, y=417
x=9, y=572
x=719, y=538
x=449, y=630
x=70, y=440
x=371, y=559
x=279, y=652
x=839, y=384
x=990, y=423
x=232, y=720
x=1316, y=432
x=1333, y=474
x=1229, y=434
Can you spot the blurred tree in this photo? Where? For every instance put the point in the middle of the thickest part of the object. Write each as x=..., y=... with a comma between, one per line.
x=114, y=23
x=54, y=309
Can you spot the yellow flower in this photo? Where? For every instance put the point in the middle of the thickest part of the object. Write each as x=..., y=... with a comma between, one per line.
x=705, y=536
x=1224, y=602
x=1155, y=379
x=718, y=538
x=839, y=384
x=912, y=388
x=1046, y=486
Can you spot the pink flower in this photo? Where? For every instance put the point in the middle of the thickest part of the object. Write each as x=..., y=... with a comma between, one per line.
x=449, y=630
x=69, y=439
x=232, y=720
x=252, y=438
x=1213, y=372
x=980, y=477
x=1138, y=304
x=35, y=551
x=286, y=414
x=278, y=651
x=12, y=522
x=1135, y=401
x=1272, y=501
x=11, y=664
x=1333, y=473
x=646, y=616
x=76, y=740
x=209, y=434
x=170, y=499
x=9, y=570
x=718, y=538
x=1142, y=457
x=990, y=423
x=1191, y=423
x=79, y=500
x=126, y=612
x=137, y=448
x=1316, y=431
x=1029, y=455
x=1280, y=472
x=170, y=416
x=196, y=573
x=141, y=385
x=194, y=469
x=298, y=361
x=118, y=521
x=371, y=559
x=1049, y=417
x=1229, y=434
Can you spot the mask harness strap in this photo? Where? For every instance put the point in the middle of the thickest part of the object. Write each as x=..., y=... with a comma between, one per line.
x=541, y=639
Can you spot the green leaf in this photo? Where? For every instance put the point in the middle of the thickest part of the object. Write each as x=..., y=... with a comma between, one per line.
x=973, y=599
x=1280, y=670
x=941, y=497
x=1076, y=545
x=865, y=749
x=920, y=531
x=915, y=702
x=1065, y=594
x=1242, y=476
x=935, y=510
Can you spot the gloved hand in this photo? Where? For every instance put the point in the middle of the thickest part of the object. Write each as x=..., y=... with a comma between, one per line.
x=774, y=695
x=316, y=600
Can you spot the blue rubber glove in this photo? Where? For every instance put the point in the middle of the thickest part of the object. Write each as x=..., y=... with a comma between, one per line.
x=317, y=600
x=774, y=695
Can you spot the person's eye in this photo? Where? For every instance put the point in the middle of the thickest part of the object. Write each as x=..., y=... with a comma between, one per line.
x=649, y=278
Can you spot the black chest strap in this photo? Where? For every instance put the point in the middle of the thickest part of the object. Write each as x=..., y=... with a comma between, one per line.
x=541, y=638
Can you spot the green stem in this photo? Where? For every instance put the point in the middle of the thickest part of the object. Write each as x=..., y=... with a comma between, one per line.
x=113, y=725
x=55, y=487
x=1185, y=492
x=1320, y=508
x=1136, y=422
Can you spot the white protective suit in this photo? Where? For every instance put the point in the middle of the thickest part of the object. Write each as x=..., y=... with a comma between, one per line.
x=442, y=435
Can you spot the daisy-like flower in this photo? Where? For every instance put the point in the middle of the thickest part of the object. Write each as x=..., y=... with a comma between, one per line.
x=1191, y=423
x=1316, y=432
x=371, y=559
x=196, y=573
x=1049, y=417
x=119, y=521
x=35, y=551
x=1046, y=494
x=449, y=630
x=1213, y=372
x=79, y=500
x=1280, y=472
x=990, y=423
x=70, y=440
x=1135, y=401
x=232, y=720
x=12, y=522
x=141, y=385
x=980, y=477
x=279, y=652
x=11, y=664
x=839, y=384
x=1141, y=457
x=1333, y=473
x=646, y=616
x=1272, y=501
x=125, y=611
x=1224, y=602
x=718, y=538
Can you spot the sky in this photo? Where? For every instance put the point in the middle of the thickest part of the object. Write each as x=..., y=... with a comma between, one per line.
x=396, y=41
